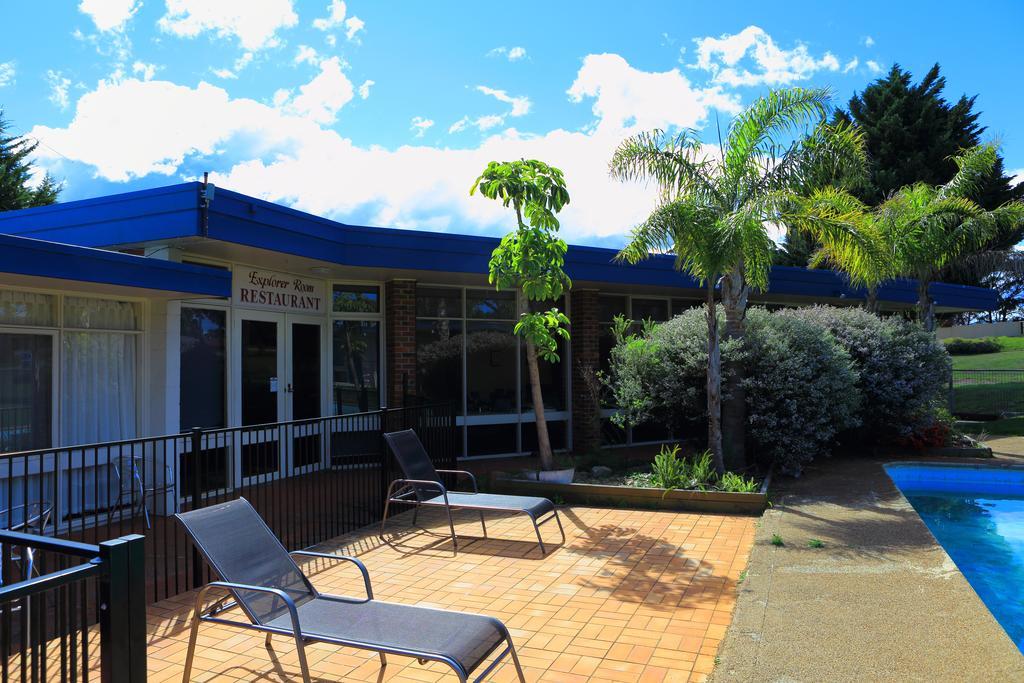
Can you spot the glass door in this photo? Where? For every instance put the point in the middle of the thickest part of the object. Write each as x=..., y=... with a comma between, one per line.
x=262, y=389
x=304, y=390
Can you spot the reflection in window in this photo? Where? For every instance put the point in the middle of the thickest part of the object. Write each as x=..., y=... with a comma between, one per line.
x=438, y=302
x=483, y=303
x=356, y=366
x=650, y=309
x=439, y=361
x=490, y=368
x=492, y=439
x=356, y=299
x=203, y=370
x=26, y=392
x=556, y=435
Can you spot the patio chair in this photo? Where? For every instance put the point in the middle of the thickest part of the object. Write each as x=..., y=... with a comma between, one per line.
x=264, y=581
x=422, y=487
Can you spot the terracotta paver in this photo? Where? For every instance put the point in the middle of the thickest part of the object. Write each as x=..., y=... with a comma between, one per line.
x=631, y=596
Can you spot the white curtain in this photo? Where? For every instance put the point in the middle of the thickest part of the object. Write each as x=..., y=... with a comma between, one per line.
x=26, y=308
x=98, y=378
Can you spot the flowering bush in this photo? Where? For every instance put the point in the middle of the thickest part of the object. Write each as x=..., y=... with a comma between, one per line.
x=903, y=372
x=800, y=383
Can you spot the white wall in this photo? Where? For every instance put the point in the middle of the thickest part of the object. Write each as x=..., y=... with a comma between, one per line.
x=1009, y=328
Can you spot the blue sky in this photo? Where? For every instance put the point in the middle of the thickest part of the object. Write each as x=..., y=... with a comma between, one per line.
x=383, y=112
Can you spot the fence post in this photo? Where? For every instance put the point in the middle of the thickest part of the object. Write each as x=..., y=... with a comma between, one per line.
x=123, y=610
x=952, y=396
x=196, y=487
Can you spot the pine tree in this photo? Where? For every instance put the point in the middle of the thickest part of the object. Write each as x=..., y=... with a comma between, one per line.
x=16, y=190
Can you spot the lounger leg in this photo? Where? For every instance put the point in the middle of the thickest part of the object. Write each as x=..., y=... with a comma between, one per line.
x=267, y=642
x=384, y=518
x=383, y=660
x=540, y=541
x=303, y=666
x=482, y=523
x=515, y=660
x=190, y=655
x=415, y=514
x=451, y=525
x=560, y=529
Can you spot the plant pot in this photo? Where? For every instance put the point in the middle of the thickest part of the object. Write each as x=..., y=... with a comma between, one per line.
x=551, y=476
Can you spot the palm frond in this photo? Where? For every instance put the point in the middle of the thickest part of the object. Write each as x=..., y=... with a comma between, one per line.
x=831, y=154
x=675, y=163
x=974, y=167
x=761, y=126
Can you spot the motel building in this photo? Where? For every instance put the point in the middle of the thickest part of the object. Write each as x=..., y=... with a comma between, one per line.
x=155, y=312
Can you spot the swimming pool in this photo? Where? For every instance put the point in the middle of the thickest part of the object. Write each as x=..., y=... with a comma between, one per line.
x=977, y=513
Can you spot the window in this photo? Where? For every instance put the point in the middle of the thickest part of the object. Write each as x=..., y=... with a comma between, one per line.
x=203, y=368
x=468, y=353
x=26, y=391
x=356, y=345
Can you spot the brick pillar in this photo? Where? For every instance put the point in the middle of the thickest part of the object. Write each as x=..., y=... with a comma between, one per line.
x=400, y=339
x=586, y=429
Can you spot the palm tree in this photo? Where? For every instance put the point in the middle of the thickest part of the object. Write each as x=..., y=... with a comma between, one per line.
x=715, y=209
x=918, y=232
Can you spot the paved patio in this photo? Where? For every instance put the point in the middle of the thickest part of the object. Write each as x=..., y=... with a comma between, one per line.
x=632, y=596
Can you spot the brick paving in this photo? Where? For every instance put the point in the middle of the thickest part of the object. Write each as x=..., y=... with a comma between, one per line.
x=633, y=596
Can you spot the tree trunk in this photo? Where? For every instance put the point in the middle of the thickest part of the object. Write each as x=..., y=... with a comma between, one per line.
x=871, y=301
x=714, y=383
x=735, y=293
x=547, y=461
x=925, y=307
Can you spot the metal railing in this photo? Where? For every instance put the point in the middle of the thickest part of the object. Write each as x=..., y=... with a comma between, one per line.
x=311, y=480
x=72, y=611
x=986, y=393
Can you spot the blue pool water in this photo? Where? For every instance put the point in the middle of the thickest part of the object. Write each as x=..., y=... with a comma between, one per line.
x=977, y=514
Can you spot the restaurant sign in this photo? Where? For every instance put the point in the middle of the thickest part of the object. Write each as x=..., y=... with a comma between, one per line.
x=277, y=291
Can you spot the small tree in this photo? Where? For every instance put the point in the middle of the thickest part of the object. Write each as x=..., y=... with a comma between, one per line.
x=16, y=190
x=530, y=260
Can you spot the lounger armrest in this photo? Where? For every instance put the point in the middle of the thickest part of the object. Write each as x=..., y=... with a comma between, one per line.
x=471, y=476
x=345, y=558
x=289, y=603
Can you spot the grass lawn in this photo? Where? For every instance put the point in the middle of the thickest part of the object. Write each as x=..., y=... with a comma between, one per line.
x=991, y=393
x=1010, y=426
x=1010, y=358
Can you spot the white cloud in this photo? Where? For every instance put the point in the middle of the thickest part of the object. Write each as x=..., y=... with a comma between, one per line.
x=459, y=125
x=520, y=105
x=1016, y=177
x=868, y=41
x=323, y=97
x=421, y=125
x=512, y=54
x=281, y=96
x=364, y=89
x=59, y=86
x=874, y=66
x=109, y=15
x=254, y=23
x=489, y=121
x=223, y=73
x=243, y=61
x=279, y=154
x=751, y=57
x=353, y=25
x=305, y=55
x=144, y=70
x=6, y=74
x=335, y=16
x=851, y=65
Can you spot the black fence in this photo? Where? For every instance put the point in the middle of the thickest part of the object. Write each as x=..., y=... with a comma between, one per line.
x=72, y=611
x=312, y=480
x=986, y=394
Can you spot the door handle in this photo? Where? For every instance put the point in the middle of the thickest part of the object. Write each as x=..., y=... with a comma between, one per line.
x=289, y=389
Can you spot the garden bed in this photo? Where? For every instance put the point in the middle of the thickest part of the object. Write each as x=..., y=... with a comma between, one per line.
x=635, y=497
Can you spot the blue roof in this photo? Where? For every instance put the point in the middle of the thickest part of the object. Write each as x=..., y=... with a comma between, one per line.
x=39, y=258
x=173, y=212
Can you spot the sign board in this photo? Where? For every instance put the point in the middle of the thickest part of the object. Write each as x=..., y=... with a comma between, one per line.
x=256, y=288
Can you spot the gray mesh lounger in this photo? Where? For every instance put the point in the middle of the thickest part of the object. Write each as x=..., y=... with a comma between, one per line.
x=277, y=598
x=422, y=486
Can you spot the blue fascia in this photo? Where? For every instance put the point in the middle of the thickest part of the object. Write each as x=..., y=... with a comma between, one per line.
x=174, y=212
x=40, y=258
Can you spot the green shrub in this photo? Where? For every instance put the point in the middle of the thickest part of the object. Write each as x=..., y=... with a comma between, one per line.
x=902, y=371
x=668, y=470
x=971, y=347
x=800, y=383
x=737, y=483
